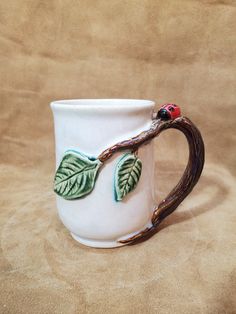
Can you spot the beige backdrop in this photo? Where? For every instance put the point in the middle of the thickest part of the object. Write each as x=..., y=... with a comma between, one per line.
x=181, y=51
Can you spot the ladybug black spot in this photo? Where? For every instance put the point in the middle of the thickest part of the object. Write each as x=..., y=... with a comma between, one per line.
x=171, y=109
x=163, y=114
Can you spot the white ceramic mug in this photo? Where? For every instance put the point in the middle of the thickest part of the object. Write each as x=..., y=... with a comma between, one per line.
x=85, y=128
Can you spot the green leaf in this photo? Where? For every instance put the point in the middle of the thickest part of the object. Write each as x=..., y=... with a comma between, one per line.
x=127, y=174
x=76, y=175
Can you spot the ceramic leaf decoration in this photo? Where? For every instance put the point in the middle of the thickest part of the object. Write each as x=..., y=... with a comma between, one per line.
x=127, y=174
x=76, y=175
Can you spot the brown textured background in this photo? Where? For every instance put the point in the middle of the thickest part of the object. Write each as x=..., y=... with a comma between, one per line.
x=181, y=51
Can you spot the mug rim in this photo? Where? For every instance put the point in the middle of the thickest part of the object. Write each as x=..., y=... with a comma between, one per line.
x=107, y=103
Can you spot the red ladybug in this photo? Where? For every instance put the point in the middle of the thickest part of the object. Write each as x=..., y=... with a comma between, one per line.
x=169, y=112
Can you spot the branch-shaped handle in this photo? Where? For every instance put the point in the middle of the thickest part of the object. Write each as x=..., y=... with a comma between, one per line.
x=191, y=173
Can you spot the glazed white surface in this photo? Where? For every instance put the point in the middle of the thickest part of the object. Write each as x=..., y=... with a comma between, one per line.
x=90, y=126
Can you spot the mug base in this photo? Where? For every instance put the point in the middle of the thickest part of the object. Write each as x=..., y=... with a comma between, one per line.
x=96, y=243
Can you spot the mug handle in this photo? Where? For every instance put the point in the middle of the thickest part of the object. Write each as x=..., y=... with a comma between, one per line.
x=188, y=180
x=192, y=171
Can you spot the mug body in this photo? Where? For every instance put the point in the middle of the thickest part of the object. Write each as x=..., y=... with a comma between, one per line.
x=90, y=126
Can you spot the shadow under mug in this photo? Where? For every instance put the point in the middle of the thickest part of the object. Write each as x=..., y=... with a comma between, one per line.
x=104, y=177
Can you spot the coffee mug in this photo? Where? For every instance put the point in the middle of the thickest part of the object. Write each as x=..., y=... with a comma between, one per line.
x=104, y=177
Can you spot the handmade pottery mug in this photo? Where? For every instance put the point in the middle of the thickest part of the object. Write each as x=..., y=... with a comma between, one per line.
x=104, y=177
